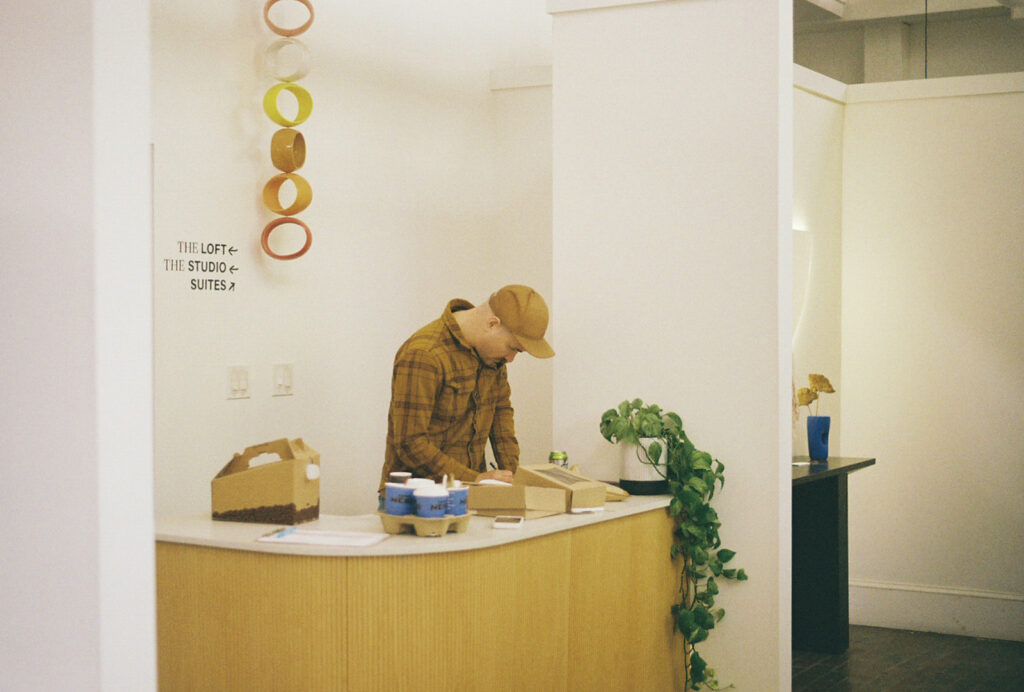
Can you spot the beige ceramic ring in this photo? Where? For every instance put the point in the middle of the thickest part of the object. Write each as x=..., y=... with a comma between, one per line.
x=281, y=31
x=302, y=96
x=288, y=150
x=296, y=60
x=303, y=194
x=265, y=238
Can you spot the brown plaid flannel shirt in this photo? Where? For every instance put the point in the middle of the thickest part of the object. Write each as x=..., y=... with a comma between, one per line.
x=445, y=405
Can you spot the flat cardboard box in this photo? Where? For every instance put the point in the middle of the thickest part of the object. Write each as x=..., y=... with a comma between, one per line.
x=516, y=500
x=579, y=492
x=278, y=492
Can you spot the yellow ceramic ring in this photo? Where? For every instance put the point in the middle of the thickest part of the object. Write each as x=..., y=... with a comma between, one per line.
x=281, y=31
x=288, y=150
x=272, y=190
x=297, y=66
x=269, y=228
x=305, y=102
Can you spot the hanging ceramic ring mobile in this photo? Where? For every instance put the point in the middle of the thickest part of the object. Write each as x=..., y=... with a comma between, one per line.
x=281, y=31
x=287, y=59
x=302, y=96
x=265, y=238
x=287, y=150
x=272, y=190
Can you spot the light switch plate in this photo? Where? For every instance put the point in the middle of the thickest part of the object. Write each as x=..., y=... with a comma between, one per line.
x=283, y=379
x=238, y=382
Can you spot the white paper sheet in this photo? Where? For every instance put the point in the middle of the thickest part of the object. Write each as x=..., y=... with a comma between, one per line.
x=355, y=539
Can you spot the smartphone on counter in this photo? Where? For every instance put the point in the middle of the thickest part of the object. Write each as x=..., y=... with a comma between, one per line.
x=507, y=522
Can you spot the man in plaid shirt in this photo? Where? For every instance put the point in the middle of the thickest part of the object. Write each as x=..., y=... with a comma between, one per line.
x=450, y=391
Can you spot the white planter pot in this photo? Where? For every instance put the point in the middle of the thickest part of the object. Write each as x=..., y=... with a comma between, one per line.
x=639, y=478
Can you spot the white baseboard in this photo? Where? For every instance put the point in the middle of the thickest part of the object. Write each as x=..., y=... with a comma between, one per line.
x=967, y=612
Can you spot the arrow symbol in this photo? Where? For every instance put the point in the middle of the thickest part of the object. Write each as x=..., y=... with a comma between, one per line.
x=232, y=287
x=233, y=269
x=232, y=250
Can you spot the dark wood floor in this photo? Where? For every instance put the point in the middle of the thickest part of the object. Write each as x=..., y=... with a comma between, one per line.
x=884, y=660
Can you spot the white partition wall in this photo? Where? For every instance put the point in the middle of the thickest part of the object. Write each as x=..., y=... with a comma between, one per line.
x=933, y=337
x=76, y=554
x=672, y=266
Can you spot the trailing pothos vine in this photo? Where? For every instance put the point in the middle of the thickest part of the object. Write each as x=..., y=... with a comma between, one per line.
x=692, y=476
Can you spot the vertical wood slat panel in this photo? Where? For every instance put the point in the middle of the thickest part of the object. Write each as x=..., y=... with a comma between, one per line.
x=487, y=619
x=580, y=609
x=230, y=620
x=623, y=586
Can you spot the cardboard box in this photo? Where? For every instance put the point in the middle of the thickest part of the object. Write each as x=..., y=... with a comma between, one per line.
x=279, y=492
x=516, y=500
x=579, y=492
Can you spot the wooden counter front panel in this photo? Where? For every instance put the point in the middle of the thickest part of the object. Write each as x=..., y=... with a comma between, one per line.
x=578, y=610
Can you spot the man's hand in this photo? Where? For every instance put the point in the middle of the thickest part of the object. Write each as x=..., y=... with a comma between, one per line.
x=496, y=475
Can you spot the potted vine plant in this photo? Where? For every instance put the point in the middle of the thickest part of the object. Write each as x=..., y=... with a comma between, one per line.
x=690, y=476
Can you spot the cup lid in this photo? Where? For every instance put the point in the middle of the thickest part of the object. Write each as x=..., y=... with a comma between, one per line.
x=430, y=491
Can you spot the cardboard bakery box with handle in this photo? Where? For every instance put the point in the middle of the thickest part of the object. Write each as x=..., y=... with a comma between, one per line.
x=286, y=491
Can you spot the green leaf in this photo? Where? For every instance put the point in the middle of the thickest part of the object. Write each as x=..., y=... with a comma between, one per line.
x=685, y=621
x=719, y=613
x=698, y=485
x=703, y=617
x=715, y=565
x=698, y=554
x=654, y=452
x=698, y=667
x=701, y=465
x=741, y=575
x=728, y=573
x=712, y=586
x=691, y=501
x=696, y=532
x=725, y=555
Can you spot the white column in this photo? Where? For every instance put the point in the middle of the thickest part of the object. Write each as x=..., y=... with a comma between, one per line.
x=672, y=265
x=76, y=581
x=886, y=51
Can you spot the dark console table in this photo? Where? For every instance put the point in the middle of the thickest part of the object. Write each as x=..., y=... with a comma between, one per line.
x=821, y=576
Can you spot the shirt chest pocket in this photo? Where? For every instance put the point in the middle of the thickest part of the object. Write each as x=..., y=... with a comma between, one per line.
x=454, y=402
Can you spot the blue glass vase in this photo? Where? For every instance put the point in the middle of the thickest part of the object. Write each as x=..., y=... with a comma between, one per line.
x=817, y=437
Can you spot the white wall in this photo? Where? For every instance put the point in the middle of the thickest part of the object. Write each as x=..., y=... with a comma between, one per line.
x=672, y=198
x=817, y=262
x=933, y=337
x=76, y=585
x=407, y=151
x=522, y=120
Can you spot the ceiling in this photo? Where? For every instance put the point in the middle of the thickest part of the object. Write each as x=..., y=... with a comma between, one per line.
x=822, y=15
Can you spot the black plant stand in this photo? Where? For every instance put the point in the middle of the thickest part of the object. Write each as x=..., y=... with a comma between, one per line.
x=821, y=577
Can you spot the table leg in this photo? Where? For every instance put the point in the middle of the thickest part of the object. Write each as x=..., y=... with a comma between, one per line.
x=821, y=582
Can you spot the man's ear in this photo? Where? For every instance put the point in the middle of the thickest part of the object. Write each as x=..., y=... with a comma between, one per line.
x=493, y=321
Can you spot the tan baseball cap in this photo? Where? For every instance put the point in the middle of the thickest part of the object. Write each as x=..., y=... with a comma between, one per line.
x=525, y=314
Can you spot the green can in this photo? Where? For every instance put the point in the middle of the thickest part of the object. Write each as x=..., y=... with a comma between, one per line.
x=560, y=458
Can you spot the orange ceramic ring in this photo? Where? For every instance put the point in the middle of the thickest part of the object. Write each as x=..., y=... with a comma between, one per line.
x=265, y=238
x=303, y=194
x=302, y=96
x=288, y=150
x=281, y=31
